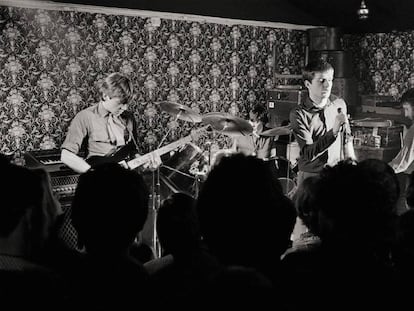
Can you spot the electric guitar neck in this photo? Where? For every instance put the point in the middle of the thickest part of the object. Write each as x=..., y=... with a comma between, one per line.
x=140, y=160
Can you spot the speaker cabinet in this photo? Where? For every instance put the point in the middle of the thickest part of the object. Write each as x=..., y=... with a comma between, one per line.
x=324, y=38
x=340, y=60
x=280, y=102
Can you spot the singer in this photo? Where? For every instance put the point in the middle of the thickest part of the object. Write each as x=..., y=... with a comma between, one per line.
x=316, y=122
x=105, y=126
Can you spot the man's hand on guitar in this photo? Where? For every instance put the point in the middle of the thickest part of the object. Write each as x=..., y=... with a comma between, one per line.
x=154, y=162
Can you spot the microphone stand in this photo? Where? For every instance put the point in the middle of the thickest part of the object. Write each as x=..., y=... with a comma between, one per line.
x=156, y=197
x=288, y=162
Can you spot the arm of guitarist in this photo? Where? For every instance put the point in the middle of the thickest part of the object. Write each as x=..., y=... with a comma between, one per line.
x=74, y=161
x=154, y=162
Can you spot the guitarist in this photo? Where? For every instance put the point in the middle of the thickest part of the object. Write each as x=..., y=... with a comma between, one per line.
x=106, y=126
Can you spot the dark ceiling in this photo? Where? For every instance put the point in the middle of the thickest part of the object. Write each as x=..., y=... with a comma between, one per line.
x=384, y=15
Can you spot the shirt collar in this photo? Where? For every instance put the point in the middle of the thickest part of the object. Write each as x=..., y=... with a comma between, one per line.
x=101, y=110
x=309, y=105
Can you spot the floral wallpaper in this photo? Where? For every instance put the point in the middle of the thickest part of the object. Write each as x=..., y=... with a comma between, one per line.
x=52, y=61
x=384, y=62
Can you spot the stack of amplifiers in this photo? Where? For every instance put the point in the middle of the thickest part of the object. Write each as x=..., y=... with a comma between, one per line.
x=281, y=100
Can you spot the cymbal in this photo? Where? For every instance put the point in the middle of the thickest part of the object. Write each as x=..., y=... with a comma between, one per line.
x=180, y=111
x=282, y=130
x=227, y=124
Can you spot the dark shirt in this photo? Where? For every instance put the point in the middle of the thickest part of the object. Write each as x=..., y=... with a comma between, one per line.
x=312, y=128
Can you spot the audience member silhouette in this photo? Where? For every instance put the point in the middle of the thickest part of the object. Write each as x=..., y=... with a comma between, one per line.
x=185, y=265
x=24, y=225
x=409, y=195
x=307, y=220
x=108, y=211
x=245, y=218
x=237, y=287
x=382, y=173
x=49, y=217
x=351, y=266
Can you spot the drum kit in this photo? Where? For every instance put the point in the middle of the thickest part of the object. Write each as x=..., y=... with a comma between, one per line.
x=184, y=165
x=223, y=123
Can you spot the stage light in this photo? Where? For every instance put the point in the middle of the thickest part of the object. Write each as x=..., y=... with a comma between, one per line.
x=363, y=11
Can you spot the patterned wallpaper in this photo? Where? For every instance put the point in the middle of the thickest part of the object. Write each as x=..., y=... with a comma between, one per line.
x=384, y=62
x=51, y=62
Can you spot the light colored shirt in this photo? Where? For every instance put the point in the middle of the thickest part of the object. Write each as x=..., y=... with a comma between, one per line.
x=92, y=123
x=404, y=160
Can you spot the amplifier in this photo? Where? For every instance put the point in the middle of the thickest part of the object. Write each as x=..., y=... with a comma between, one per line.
x=63, y=181
x=64, y=185
x=280, y=101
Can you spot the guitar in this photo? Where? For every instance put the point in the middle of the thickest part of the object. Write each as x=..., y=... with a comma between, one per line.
x=119, y=155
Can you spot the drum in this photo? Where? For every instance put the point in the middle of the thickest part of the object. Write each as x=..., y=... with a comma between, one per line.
x=183, y=168
x=282, y=169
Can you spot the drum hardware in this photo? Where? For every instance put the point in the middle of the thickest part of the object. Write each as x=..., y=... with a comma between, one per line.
x=288, y=156
x=227, y=124
x=179, y=112
x=279, y=164
x=178, y=171
x=186, y=168
x=208, y=143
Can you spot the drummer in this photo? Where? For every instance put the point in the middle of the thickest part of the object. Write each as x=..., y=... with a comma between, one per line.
x=254, y=144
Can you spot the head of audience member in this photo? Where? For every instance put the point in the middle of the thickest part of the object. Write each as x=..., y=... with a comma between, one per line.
x=22, y=195
x=4, y=160
x=244, y=216
x=380, y=172
x=304, y=200
x=177, y=225
x=356, y=206
x=117, y=92
x=109, y=209
x=407, y=101
x=318, y=79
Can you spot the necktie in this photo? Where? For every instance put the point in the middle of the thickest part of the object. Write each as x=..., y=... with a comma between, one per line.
x=116, y=130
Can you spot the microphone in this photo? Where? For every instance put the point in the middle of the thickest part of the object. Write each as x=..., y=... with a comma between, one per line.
x=341, y=129
x=345, y=126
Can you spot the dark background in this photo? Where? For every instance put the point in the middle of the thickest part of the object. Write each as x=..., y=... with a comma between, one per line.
x=385, y=15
